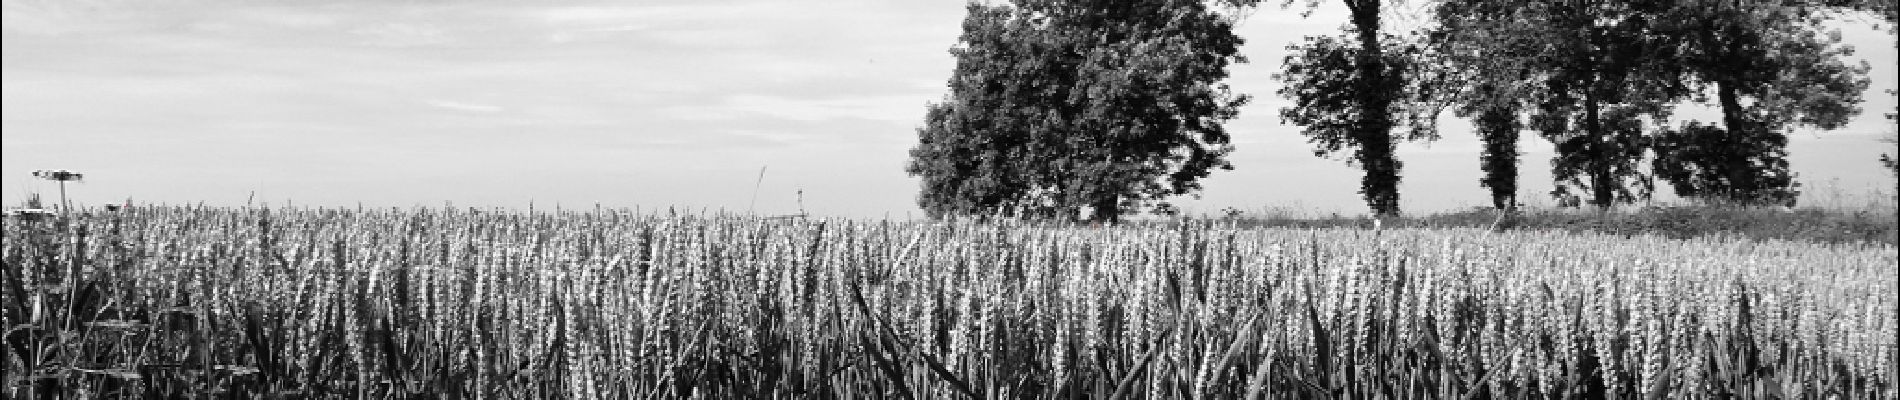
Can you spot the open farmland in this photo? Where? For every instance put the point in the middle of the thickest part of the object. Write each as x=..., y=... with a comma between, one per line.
x=303, y=303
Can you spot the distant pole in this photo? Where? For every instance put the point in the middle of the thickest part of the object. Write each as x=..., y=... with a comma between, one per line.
x=61, y=176
x=755, y=189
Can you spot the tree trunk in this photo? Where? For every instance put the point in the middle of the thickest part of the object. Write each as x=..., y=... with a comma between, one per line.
x=1734, y=123
x=1734, y=166
x=1602, y=194
x=1498, y=128
x=1380, y=186
x=1108, y=210
x=1381, y=182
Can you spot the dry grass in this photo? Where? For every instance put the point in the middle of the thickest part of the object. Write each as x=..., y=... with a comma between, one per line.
x=379, y=304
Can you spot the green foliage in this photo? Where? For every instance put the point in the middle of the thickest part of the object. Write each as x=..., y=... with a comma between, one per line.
x=972, y=154
x=1605, y=76
x=1893, y=166
x=1597, y=77
x=1605, y=165
x=1733, y=221
x=1484, y=52
x=1498, y=128
x=1870, y=225
x=1590, y=75
x=1351, y=92
x=1893, y=137
x=1888, y=160
x=1057, y=107
x=1747, y=167
x=1320, y=78
x=1773, y=67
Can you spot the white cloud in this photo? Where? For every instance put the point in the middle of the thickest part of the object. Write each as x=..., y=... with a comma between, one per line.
x=576, y=35
x=599, y=14
x=624, y=13
x=772, y=136
x=403, y=34
x=464, y=107
x=887, y=108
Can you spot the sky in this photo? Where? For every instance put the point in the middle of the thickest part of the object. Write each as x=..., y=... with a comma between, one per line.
x=648, y=104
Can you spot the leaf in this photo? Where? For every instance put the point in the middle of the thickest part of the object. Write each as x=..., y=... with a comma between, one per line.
x=1127, y=382
x=118, y=324
x=1241, y=341
x=1257, y=385
x=945, y=374
x=1322, y=345
x=115, y=373
x=884, y=363
x=237, y=370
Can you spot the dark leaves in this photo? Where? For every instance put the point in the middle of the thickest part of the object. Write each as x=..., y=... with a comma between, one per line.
x=1057, y=107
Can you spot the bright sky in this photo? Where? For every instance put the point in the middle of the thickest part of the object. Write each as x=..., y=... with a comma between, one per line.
x=627, y=104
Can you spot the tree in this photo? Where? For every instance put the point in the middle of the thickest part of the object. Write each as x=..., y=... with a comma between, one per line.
x=1484, y=51
x=1062, y=106
x=1889, y=11
x=1598, y=77
x=1893, y=137
x=1605, y=76
x=973, y=152
x=1352, y=92
x=1591, y=75
x=1888, y=160
x=1773, y=67
x=1741, y=166
x=1498, y=128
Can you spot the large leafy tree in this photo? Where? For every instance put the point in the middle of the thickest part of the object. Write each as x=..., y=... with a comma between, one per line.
x=1598, y=76
x=1057, y=107
x=1484, y=52
x=1772, y=67
x=1499, y=127
x=1603, y=77
x=1352, y=92
x=975, y=154
x=1589, y=74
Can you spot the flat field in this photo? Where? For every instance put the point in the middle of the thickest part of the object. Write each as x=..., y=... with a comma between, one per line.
x=307, y=303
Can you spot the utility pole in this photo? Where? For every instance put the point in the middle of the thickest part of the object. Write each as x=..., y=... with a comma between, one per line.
x=61, y=176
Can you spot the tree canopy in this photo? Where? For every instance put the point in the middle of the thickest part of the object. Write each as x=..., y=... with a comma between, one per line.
x=1772, y=67
x=1352, y=92
x=1059, y=107
x=1599, y=79
x=1484, y=52
x=1343, y=111
x=1066, y=108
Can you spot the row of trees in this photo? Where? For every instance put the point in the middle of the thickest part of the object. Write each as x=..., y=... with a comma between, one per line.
x=1599, y=79
x=1061, y=108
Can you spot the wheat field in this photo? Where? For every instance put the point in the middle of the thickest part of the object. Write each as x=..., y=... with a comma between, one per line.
x=617, y=304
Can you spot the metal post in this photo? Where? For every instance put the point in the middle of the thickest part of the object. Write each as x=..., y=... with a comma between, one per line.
x=64, y=206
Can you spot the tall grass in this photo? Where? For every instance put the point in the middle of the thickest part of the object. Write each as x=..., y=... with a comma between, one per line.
x=299, y=303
